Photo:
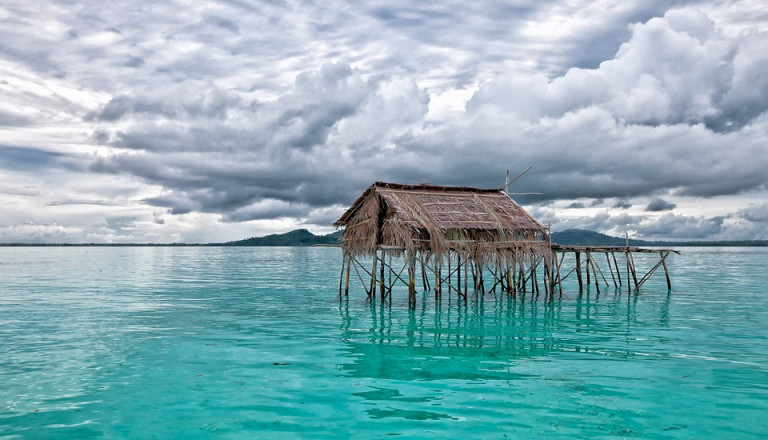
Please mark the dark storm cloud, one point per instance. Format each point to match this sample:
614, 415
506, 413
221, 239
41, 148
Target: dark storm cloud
657, 205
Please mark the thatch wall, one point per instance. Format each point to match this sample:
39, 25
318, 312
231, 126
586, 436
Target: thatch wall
483, 225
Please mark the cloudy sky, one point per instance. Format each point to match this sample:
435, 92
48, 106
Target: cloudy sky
192, 121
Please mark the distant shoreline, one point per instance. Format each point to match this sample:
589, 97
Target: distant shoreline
304, 238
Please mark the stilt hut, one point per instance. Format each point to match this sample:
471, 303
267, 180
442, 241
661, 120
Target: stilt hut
444, 230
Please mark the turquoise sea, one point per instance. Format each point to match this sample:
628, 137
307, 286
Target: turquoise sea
243, 343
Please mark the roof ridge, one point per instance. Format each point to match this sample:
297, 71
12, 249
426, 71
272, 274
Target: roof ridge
432, 187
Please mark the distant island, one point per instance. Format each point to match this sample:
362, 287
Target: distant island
302, 237
583, 237
298, 237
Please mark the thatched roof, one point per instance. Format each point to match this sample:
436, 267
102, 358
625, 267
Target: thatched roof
436, 218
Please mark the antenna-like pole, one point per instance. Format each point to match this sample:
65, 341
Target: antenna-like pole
503, 188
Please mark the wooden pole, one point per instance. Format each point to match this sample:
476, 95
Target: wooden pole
341, 276
666, 272
381, 274
346, 282
458, 273
372, 292
411, 280
608, 259
591, 261
578, 269
634, 271
466, 263
389, 285
616, 265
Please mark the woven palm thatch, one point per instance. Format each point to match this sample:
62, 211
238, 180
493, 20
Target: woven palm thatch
484, 225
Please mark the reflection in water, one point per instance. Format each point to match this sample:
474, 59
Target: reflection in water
484, 338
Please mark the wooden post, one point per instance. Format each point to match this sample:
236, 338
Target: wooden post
465, 277
449, 272
389, 285
666, 272
608, 259
458, 274
634, 271
616, 265
372, 292
341, 277
587, 261
626, 257
514, 276
591, 262
381, 275
346, 282
578, 269
411, 280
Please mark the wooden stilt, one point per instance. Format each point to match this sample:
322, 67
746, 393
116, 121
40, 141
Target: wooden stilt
458, 273
666, 272
616, 265
381, 275
465, 277
372, 291
411, 281
578, 269
591, 262
559, 280
346, 283
634, 271
341, 276
610, 269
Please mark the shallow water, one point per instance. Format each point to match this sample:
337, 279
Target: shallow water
207, 342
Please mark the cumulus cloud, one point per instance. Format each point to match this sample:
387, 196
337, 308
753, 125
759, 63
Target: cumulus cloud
682, 226
299, 151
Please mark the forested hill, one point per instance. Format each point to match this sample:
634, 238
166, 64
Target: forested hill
298, 237
582, 237
574, 237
